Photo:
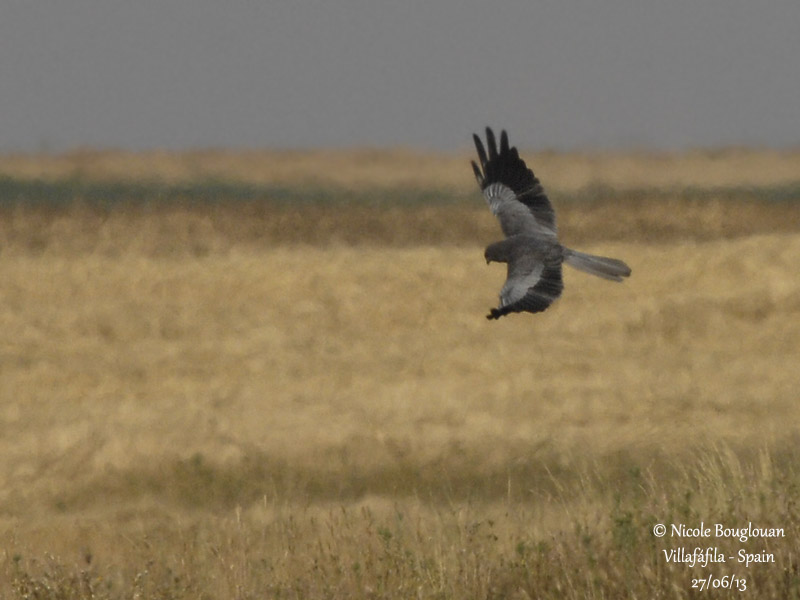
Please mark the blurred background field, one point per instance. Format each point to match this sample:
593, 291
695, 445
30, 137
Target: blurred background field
235, 375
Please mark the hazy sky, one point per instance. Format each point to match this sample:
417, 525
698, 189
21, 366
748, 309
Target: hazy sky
558, 74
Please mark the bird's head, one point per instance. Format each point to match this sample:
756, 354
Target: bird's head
496, 253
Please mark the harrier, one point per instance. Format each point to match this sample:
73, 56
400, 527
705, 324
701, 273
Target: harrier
531, 248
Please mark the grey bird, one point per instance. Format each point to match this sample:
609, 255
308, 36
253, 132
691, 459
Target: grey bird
531, 248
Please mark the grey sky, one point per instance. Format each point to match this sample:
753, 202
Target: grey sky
559, 74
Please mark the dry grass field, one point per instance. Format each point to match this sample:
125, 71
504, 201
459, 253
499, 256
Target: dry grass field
266, 399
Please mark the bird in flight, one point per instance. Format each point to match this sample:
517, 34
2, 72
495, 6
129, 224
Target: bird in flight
531, 248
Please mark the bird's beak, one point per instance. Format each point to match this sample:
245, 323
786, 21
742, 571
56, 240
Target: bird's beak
488, 261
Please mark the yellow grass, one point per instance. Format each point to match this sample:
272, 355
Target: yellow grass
225, 353
734, 167
185, 414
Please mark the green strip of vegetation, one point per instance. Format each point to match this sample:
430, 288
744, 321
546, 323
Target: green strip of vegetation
109, 194
783, 193
61, 193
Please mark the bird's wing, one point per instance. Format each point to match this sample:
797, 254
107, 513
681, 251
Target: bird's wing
512, 191
531, 286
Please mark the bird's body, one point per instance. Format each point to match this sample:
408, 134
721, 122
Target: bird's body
531, 249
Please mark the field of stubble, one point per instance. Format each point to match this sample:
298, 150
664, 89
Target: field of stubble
269, 397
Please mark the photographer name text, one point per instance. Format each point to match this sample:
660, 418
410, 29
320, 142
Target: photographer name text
718, 530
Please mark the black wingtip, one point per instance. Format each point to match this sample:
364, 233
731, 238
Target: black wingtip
481, 150
503, 142
478, 174
494, 314
491, 143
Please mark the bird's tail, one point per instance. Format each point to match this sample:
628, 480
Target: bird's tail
607, 268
